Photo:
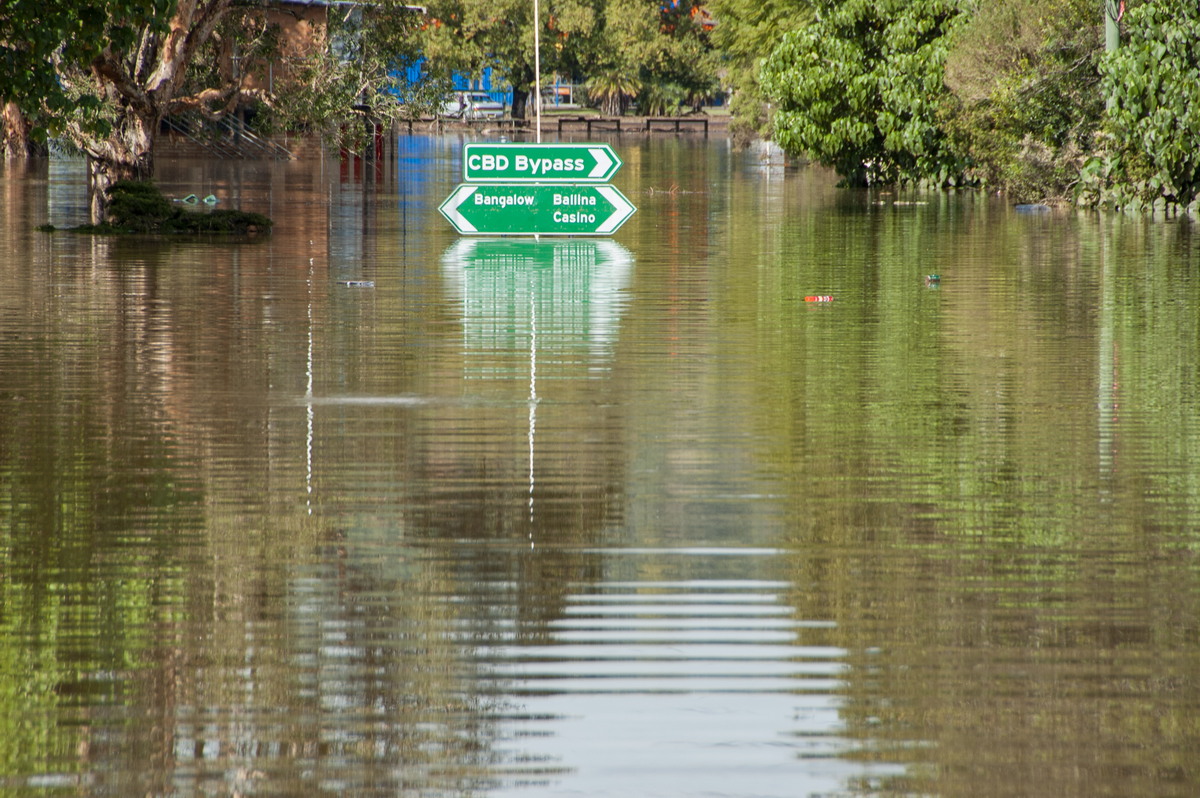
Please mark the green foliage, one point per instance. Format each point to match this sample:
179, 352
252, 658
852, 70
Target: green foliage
681, 68
470, 35
1026, 96
139, 207
39, 40
621, 47
104, 75
612, 89
860, 89
359, 79
1153, 122
747, 32
662, 99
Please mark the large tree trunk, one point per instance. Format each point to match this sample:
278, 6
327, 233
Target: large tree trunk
522, 83
17, 143
520, 102
128, 154
144, 96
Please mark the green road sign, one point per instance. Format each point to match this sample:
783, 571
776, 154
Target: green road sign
539, 163
525, 210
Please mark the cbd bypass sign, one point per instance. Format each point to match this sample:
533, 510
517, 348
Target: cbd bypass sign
537, 189
539, 163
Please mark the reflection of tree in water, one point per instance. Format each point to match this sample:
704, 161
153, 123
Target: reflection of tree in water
325, 674
1003, 571
168, 627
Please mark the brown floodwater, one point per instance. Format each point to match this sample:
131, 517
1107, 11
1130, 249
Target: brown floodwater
364, 508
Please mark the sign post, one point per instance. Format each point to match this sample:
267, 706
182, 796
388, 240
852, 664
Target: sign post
531, 210
539, 163
536, 190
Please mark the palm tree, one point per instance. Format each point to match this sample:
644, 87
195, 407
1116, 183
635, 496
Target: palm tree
613, 89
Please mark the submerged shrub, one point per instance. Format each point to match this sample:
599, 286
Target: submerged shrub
1027, 95
139, 207
1153, 121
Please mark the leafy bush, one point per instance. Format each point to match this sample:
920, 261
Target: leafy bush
661, 99
612, 89
139, 207
1153, 125
860, 90
1027, 100
747, 31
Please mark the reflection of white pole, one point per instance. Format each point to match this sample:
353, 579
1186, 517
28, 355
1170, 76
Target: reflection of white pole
308, 397
537, 78
1106, 370
537, 69
533, 399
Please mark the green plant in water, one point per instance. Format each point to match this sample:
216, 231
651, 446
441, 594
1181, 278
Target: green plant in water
1026, 99
1153, 120
139, 207
860, 89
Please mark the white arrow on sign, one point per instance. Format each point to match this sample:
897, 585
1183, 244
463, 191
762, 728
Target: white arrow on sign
623, 209
602, 162
451, 205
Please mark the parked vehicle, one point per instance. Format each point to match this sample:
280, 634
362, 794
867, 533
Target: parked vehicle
472, 105
559, 98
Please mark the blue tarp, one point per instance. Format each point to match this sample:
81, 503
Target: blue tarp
464, 82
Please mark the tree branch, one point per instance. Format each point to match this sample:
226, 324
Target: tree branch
202, 101
190, 28
108, 69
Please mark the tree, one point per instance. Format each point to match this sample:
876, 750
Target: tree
1153, 87
681, 67
357, 80
861, 87
33, 38
613, 89
621, 46
469, 35
104, 75
106, 79
17, 133
748, 31
1027, 102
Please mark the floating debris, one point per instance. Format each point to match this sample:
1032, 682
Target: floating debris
359, 283
818, 298
192, 199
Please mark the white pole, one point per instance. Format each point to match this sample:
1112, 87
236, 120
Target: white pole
537, 69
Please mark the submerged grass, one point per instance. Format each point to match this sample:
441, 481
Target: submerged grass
139, 207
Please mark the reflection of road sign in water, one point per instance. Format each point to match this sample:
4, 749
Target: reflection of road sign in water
537, 210
560, 301
575, 287
539, 163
